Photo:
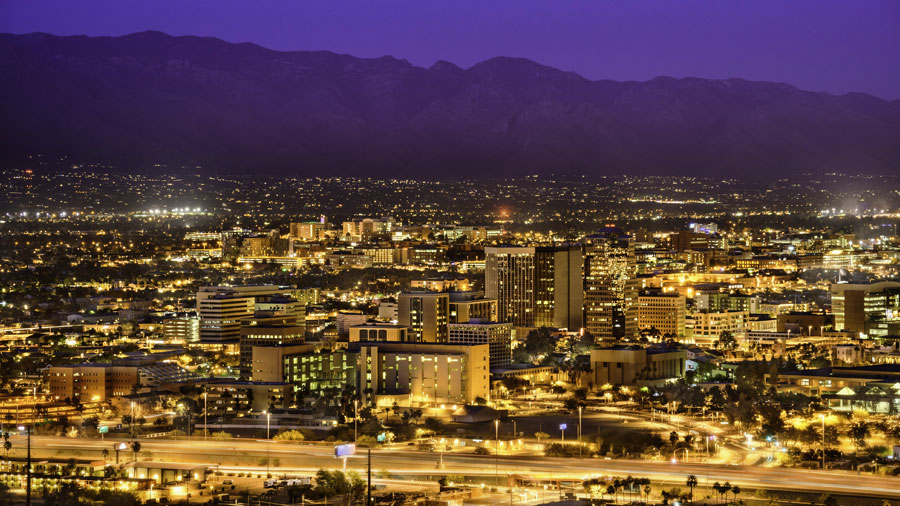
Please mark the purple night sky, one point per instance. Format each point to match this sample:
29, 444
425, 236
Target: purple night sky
835, 46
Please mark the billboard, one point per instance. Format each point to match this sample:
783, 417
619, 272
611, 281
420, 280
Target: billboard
345, 450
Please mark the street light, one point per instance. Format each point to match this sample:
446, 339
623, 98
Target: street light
355, 419
579, 432
268, 420
28, 468
205, 419
823, 440
496, 450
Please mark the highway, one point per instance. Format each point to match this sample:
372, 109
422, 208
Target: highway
405, 461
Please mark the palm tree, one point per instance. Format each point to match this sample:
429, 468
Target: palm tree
735, 490
718, 488
135, 447
105, 453
647, 489
691, 482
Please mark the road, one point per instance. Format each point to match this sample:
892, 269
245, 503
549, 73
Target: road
405, 461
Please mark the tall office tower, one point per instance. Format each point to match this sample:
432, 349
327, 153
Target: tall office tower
856, 306
609, 287
536, 286
222, 309
427, 315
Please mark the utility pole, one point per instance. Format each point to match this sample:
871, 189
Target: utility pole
28, 468
268, 419
579, 432
205, 419
355, 419
497, 451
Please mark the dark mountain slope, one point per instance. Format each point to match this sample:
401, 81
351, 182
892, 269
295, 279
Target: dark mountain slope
148, 98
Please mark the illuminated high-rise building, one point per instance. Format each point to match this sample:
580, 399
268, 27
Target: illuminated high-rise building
609, 285
536, 286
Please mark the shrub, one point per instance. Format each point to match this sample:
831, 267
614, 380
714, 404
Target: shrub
290, 435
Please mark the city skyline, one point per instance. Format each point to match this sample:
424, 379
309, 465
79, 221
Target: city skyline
430, 254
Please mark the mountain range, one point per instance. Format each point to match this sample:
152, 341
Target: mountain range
154, 102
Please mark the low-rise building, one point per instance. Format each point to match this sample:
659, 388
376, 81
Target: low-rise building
628, 365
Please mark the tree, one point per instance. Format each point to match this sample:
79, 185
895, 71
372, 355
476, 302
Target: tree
538, 344
673, 438
6, 498
830, 500
858, 432
434, 424
735, 490
541, 435
726, 341
7, 445
135, 447
691, 482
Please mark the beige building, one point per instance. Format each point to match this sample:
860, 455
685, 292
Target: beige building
855, 304
266, 335
441, 284
268, 361
309, 230
704, 329
222, 309
427, 315
408, 373
664, 312
427, 373
623, 365
379, 332
498, 336
91, 382
185, 329
465, 306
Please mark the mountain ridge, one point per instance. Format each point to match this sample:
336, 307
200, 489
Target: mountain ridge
149, 98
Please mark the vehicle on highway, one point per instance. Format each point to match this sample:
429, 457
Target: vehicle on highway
286, 482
